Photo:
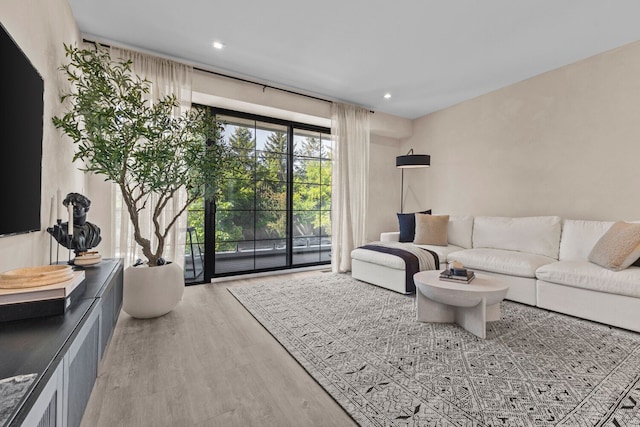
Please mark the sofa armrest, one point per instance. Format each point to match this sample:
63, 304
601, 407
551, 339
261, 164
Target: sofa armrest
391, 236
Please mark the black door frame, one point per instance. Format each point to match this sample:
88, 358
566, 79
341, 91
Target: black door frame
210, 205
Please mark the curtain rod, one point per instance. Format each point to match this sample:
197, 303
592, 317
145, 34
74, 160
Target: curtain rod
264, 86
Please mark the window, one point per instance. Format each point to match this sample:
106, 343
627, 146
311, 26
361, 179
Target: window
311, 197
274, 212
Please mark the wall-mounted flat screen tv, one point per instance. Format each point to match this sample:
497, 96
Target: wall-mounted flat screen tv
21, 96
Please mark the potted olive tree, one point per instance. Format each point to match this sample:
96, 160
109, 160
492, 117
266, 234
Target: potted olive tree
148, 152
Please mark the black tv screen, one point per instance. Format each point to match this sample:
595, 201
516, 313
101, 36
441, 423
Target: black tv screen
21, 141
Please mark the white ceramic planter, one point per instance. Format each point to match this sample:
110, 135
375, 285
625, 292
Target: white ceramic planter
152, 291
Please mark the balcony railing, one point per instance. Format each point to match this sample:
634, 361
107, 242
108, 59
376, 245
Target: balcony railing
269, 254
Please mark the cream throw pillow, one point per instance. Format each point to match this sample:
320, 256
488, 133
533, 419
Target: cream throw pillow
431, 229
618, 248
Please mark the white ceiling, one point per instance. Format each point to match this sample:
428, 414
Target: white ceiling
428, 54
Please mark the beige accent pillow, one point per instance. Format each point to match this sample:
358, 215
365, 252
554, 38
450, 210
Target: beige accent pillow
618, 248
431, 229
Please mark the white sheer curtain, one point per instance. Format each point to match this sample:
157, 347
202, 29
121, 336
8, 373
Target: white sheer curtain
349, 197
166, 77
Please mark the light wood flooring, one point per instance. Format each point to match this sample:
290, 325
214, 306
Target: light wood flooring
207, 363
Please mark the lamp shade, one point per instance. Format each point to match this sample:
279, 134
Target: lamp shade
413, 161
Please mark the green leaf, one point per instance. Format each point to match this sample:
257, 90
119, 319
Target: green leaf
138, 145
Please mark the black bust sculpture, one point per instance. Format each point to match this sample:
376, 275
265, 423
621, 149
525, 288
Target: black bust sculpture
85, 234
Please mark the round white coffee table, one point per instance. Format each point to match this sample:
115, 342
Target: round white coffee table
469, 305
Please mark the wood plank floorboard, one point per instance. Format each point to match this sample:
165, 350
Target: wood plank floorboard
207, 363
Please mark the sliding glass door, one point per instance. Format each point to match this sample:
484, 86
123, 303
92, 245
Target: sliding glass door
311, 214
274, 210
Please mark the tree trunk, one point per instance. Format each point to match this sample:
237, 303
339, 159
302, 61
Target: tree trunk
145, 244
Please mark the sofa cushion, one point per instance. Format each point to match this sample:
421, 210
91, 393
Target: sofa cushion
538, 235
379, 258
586, 275
390, 236
618, 248
579, 238
431, 229
442, 251
407, 225
460, 230
501, 261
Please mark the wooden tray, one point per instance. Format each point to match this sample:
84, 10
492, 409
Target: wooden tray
30, 277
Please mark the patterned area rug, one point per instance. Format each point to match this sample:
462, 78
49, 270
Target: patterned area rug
364, 346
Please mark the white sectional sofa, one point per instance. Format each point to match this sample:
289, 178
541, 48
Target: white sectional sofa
575, 286
513, 248
545, 262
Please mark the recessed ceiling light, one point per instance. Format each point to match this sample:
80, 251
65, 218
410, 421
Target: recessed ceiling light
217, 45
387, 95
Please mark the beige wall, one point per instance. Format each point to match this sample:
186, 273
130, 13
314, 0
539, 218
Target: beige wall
384, 186
40, 27
566, 142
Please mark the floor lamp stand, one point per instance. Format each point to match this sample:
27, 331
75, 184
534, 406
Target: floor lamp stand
410, 160
402, 191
